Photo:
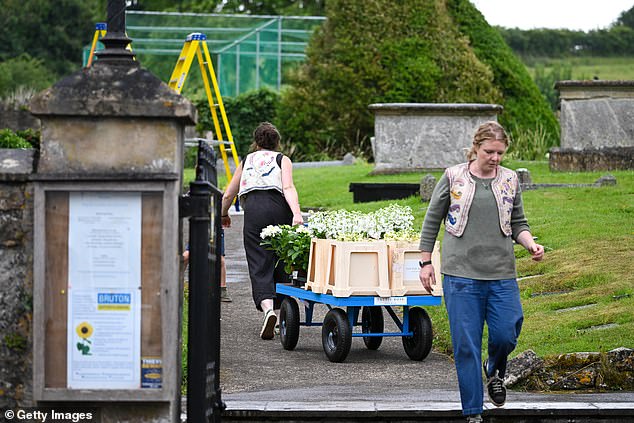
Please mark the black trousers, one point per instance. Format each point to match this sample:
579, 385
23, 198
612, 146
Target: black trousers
261, 209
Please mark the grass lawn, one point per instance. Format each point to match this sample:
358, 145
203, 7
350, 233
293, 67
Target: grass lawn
606, 68
589, 238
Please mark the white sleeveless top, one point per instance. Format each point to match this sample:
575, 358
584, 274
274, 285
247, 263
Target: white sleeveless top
260, 171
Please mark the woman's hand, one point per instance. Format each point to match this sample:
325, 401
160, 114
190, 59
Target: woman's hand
298, 219
525, 239
225, 221
427, 277
536, 250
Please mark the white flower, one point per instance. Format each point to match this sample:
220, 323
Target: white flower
343, 224
270, 231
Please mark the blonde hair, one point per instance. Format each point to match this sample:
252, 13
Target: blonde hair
488, 131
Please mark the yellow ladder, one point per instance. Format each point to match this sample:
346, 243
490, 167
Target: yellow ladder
196, 45
100, 31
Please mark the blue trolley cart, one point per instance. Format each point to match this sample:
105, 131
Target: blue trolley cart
338, 325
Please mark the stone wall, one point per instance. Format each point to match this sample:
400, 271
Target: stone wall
16, 282
17, 119
597, 126
419, 136
591, 159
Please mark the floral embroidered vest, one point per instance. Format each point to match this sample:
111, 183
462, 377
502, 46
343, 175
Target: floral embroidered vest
261, 171
462, 189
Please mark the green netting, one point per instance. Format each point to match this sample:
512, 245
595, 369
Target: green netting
249, 52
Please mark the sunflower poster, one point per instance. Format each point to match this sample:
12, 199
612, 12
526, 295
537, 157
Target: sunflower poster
104, 290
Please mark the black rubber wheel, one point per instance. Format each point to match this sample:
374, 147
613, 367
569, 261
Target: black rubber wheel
336, 335
418, 346
289, 323
372, 322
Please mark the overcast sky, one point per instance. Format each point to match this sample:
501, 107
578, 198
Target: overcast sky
569, 14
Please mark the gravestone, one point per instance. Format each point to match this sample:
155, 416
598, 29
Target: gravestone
597, 126
427, 185
425, 136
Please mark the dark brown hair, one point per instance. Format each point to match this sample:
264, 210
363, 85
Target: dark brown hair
266, 136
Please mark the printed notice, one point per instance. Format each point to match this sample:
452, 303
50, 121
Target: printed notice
104, 281
151, 372
390, 301
411, 269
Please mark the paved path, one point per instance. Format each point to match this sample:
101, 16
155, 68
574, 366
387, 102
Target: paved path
259, 377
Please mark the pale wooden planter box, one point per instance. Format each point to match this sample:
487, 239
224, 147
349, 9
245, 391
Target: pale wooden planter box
317, 264
348, 268
403, 269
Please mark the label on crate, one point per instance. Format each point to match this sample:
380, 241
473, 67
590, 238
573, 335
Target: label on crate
411, 270
389, 301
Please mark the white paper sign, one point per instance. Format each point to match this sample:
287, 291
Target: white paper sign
411, 270
104, 290
390, 301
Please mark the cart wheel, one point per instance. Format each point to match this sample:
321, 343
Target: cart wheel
336, 335
418, 345
372, 322
289, 323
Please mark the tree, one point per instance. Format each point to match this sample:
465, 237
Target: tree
52, 31
626, 18
274, 7
372, 51
23, 72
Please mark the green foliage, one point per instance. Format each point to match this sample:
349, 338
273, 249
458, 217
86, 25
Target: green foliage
291, 245
15, 341
247, 7
31, 136
524, 106
529, 144
615, 41
52, 31
273, 7
545, 80
23, 71
9, 139
626, 18
377, 51
244, 113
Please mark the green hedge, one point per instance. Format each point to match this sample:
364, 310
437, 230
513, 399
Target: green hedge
244, 113
375, 51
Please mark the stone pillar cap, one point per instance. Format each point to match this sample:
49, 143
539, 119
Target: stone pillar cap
113, 91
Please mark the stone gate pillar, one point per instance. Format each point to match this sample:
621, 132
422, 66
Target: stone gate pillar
107, 296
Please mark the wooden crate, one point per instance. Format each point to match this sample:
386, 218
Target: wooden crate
318, 265
357, 268
403, 269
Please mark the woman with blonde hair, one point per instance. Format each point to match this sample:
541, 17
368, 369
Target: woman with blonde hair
480, 203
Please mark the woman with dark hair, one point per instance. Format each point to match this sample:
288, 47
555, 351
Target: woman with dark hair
264, 183
480, 203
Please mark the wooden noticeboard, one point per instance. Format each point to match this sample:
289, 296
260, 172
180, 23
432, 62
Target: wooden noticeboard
55, 301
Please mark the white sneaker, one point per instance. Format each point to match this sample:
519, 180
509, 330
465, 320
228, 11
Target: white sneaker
268, 325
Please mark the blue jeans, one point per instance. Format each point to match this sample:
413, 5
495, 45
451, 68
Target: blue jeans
470, 303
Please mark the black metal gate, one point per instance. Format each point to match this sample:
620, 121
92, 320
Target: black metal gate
203, 207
